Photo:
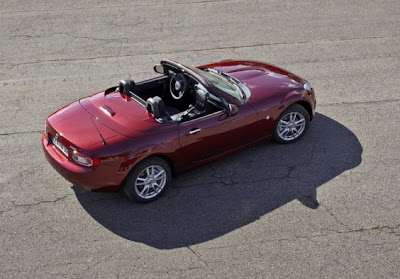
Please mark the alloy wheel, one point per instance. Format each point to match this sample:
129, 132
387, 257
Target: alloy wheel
150, 182
291, 126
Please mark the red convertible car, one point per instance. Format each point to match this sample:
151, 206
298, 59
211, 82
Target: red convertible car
136, 136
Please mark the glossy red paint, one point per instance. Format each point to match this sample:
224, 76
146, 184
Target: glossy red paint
123, 133
272, 89
220, 131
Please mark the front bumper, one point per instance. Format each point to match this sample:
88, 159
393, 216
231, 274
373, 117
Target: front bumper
101, 178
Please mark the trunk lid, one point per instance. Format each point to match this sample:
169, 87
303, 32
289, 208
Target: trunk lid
120, 113
72, 125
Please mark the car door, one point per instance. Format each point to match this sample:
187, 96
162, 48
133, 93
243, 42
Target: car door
213, 134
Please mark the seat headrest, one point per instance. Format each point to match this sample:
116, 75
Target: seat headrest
126, 86
155, 105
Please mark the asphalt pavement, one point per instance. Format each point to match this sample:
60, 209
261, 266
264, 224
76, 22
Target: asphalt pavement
327, 206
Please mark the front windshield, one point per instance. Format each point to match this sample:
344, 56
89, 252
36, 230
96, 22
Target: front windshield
221, 83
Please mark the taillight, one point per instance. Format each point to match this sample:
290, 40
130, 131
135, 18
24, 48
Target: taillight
84, 160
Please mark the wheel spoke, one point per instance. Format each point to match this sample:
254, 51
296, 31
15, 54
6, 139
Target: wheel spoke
300, 122
144, 191
141, 179
150, 171
285, 132
140, 183
159, 175
156, 187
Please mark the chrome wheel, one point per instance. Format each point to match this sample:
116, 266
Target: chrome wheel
291, 126
150, 182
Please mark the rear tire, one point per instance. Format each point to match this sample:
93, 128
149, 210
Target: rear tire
147, 180
292, 124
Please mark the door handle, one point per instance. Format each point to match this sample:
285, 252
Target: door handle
194, 131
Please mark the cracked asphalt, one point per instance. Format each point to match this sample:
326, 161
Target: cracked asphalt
324, 207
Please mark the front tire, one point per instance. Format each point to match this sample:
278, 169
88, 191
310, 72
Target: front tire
147, 180
292, 124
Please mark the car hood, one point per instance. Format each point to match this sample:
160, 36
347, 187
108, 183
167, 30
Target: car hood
120, 113
262, 79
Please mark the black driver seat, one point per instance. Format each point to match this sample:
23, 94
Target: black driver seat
155, 105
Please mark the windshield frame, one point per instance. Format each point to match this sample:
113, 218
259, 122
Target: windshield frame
196, 74
226, 80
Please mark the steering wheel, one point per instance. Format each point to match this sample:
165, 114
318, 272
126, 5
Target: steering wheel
177, 86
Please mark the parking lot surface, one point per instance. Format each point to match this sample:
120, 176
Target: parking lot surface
324, 207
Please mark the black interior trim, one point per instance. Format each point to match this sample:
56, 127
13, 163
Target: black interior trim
111, 89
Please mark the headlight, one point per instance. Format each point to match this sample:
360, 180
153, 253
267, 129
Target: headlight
307, 86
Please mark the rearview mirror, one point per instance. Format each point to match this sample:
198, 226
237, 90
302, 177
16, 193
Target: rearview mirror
232, 109
159, 69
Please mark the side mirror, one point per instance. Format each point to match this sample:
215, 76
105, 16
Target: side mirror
232, 109
159, 69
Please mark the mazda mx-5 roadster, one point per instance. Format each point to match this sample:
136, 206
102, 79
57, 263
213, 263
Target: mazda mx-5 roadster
136, 136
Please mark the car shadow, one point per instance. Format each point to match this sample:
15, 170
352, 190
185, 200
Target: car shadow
220, 197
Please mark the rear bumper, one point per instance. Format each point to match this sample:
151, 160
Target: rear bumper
101, 178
